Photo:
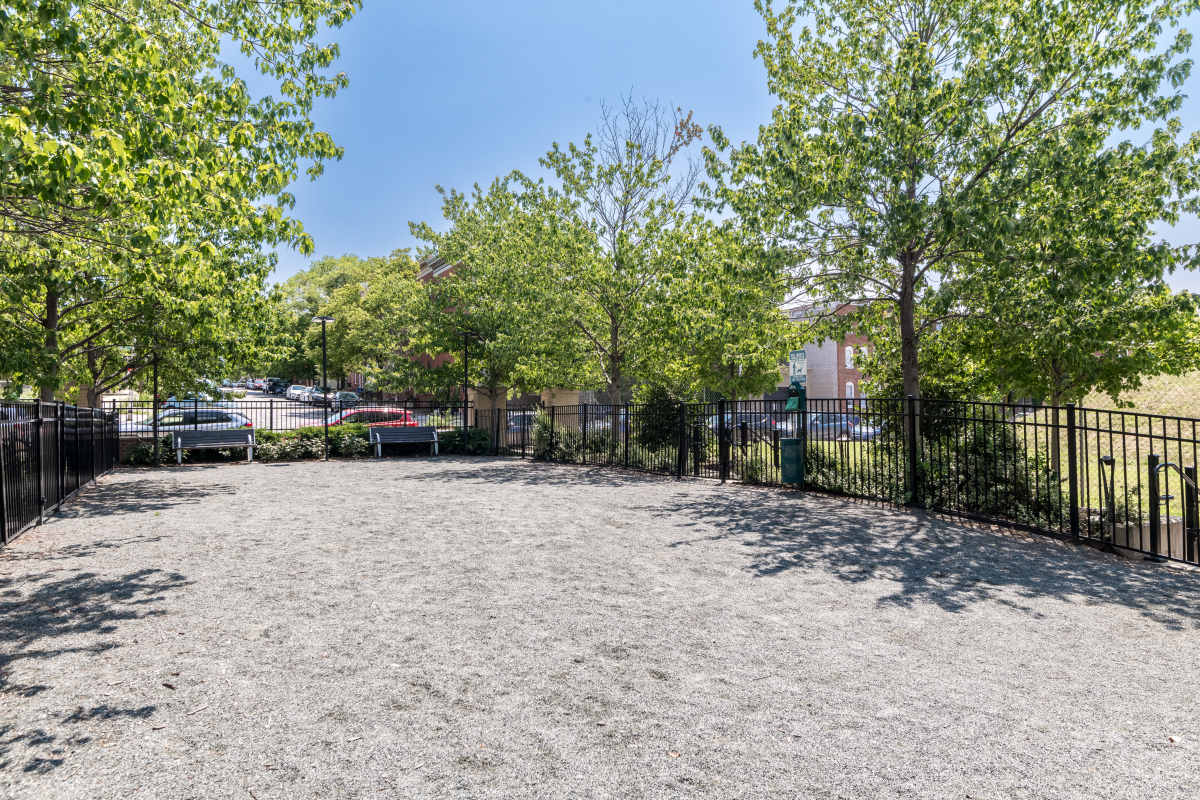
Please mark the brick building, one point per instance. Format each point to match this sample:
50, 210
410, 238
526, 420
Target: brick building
833, 366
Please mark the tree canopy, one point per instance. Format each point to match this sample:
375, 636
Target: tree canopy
917, 145
141, 180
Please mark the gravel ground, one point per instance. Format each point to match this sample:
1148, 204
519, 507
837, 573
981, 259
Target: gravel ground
491, 628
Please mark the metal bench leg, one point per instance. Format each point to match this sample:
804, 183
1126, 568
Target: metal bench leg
179, 456
378, 449
250, 457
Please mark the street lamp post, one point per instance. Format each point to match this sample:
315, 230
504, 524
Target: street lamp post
324, 384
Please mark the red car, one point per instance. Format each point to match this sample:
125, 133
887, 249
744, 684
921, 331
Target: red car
375, 417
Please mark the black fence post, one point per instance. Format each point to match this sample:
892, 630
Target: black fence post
271, 414
775, 447
1191, 515
37, 451
681, 458
625, 433
914, 467
154, 419
1072, 472
526, 421
92, 444
1155, 499
583, 426
550, 450
60, 414
77, 477
3, 487
722, 442
196, 412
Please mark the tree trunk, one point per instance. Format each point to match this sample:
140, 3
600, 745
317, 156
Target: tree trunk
49, 382
909, 368
1055, 445
614, 362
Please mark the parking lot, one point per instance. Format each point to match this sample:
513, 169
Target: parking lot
263, 411
448, 627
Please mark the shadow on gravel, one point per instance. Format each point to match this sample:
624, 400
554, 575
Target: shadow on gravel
533, 473
131, 497
933, 561
72, 551
46, 615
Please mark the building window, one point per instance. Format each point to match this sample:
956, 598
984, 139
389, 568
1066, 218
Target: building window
849, 357
849, 390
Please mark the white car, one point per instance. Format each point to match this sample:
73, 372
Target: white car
296, 392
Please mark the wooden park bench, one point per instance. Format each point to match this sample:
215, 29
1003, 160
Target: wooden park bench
403, 435
214, 440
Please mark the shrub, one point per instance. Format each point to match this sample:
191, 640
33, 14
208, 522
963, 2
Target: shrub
991, 472
142, 453
545, 445
465, 441
658, 419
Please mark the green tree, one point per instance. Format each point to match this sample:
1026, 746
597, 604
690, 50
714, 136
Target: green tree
721, 300
506, 299
1076, 301
139, 175
618, 194
909, 138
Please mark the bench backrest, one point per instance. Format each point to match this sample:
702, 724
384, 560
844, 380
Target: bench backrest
234, 437
403, 434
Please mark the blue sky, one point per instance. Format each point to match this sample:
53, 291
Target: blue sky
456, 92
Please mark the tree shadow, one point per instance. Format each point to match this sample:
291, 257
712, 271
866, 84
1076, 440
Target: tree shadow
508, 470
932, 560
59, 612
134, 497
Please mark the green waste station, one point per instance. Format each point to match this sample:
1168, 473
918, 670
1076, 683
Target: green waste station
791, 450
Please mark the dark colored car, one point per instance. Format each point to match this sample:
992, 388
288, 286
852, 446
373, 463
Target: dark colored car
275, 385
376, 417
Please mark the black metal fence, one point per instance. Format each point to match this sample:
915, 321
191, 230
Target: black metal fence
47, 452
1120, 479
141, 418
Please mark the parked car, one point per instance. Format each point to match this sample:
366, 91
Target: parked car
317, 396
297, 391
274, 386
193, 400
377, 417
840, 426
205, 419
522, 421
344, 400
602, 420
757, 424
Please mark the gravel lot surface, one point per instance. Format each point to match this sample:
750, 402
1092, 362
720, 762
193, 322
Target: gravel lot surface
492, 628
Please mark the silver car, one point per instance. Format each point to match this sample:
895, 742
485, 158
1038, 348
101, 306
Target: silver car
204, 419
